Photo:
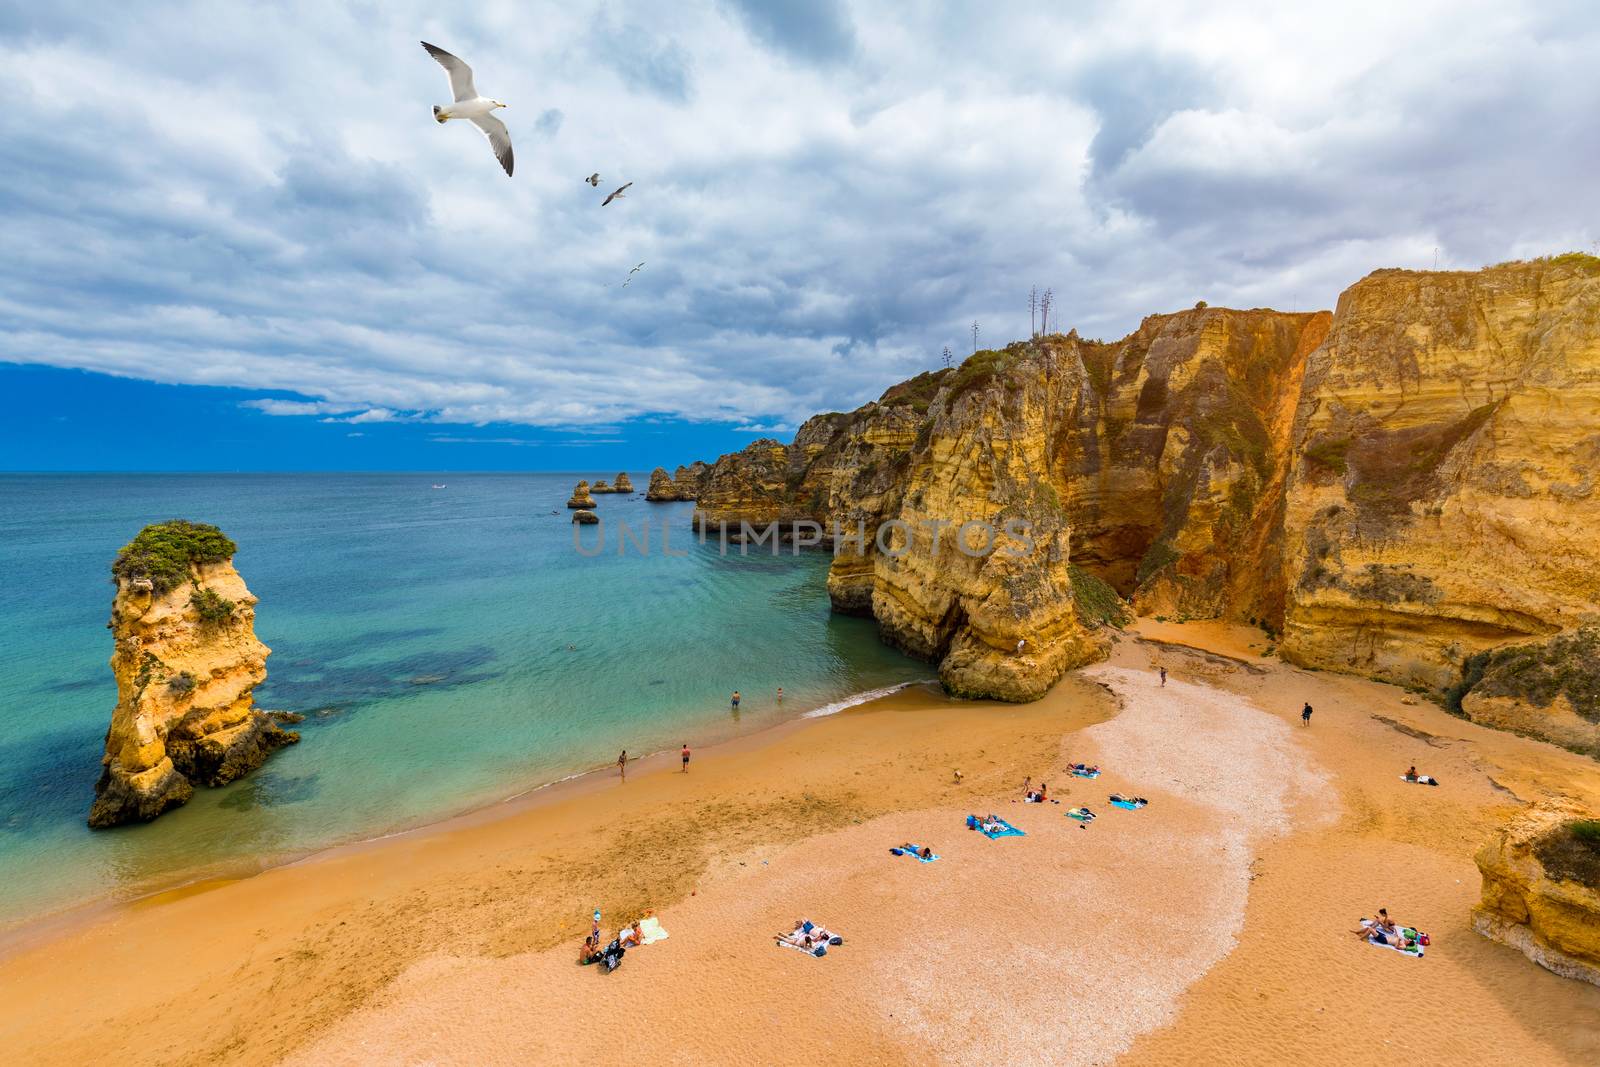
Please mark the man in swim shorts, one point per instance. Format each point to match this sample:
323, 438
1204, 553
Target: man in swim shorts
1305, 715
686, 757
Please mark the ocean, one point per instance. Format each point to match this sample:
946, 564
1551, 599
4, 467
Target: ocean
449, 647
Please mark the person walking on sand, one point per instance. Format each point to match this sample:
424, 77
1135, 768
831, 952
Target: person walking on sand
686, 757
622, 765
1163, 677
1305, 714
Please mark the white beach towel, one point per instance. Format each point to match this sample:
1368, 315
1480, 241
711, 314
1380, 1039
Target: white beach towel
651, 930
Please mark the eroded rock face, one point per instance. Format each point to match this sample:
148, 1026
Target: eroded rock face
601, 487
622, 484
585, 517
1444, 493
1396, 487
186, 661
1541, 891
580, 496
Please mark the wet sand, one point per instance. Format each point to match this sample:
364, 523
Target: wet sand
1209, 927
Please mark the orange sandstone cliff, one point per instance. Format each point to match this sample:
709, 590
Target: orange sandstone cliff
1405, 488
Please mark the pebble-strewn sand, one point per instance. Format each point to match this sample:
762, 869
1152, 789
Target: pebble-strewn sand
1207, 928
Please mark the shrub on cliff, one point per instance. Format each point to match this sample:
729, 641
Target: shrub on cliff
1571, 852
211, 608
165, 552
1097, 603
1566, 665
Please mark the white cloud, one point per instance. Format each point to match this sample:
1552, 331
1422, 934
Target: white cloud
825, 194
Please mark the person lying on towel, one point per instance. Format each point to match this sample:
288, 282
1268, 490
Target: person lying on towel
1382, 931
1119, 798
807, 935
923, 853
1084, 768
1037, 796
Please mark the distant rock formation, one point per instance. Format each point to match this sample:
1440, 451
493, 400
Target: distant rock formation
1406, 488
684, 485
601, 487
585, 517
186, 661
622, 484
1541, 889
581, 497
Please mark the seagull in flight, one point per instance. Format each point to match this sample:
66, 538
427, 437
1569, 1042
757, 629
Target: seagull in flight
636, 269
618, 195
469, 105
593, 179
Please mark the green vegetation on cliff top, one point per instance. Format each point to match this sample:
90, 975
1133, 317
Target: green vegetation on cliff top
1097, 602
165, 552
1571, 852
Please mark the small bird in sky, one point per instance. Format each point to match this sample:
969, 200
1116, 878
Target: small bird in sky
593, 179
469, 105
636, 269
618, 195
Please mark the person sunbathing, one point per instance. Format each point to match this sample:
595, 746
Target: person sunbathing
590, 951
631, 936
1381, 931
1411, 773
1118, 798
992, 824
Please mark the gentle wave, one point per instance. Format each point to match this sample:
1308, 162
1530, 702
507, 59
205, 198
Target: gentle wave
859, 698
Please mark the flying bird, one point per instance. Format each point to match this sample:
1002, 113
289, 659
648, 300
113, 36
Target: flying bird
469, 105
593, 179
636, 269
618, 195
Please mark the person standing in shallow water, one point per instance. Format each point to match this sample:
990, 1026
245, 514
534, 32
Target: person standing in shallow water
622, 765
735, 700
686, 757
780, 694
1305, 715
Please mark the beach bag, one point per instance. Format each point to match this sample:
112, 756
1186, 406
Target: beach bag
820, 950
1424, 939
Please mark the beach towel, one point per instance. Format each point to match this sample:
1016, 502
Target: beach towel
915, 852
1081, 814
651, 930
1126, 805
1421, 779
1415, 936
1006, 829
1085, 774
819, 951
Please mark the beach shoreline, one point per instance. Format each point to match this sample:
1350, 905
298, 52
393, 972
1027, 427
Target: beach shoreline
490, 905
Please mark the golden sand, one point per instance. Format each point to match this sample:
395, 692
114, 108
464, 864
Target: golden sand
1210, 927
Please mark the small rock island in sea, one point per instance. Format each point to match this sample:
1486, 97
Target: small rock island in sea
580, 496
187, 662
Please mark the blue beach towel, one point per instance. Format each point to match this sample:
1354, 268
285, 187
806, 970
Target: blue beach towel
914, 852
1126, 805
1086, 774
1006, 829
1081, 814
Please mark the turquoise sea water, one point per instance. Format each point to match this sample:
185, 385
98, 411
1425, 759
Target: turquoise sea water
423, 632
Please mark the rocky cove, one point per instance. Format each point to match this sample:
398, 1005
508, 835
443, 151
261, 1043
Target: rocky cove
1404, 488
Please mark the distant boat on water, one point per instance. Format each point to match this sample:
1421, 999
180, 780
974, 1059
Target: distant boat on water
439, 487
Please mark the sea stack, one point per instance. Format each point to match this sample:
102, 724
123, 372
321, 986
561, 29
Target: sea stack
585, 517
581, 497
187, 662
601, 487
623, 483
1541, 888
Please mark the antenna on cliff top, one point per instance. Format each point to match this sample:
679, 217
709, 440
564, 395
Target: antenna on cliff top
1435, 257
1033, 306
974, 336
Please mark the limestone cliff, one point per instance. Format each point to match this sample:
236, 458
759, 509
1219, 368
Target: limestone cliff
1443, 500
1541, 889
186, 661
601, 487
622, 484
1399, 487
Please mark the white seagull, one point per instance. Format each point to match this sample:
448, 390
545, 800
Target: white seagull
469, 105
614, 196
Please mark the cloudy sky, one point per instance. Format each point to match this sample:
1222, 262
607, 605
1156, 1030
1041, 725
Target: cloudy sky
255, 200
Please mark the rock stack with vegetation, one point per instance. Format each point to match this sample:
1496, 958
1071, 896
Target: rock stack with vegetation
685, 484
187, 662
1541, 889
580, 496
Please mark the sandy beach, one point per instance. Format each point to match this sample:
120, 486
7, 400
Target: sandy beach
1212, 926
